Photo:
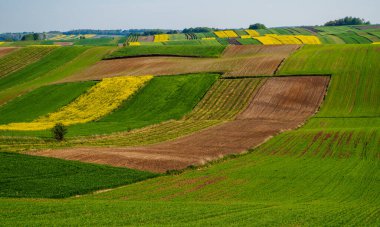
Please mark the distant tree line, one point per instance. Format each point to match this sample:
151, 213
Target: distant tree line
348, 21
34, 36
197, 30
257, 26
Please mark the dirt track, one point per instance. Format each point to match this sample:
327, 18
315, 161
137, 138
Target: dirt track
6, 50
236, 61
282, 103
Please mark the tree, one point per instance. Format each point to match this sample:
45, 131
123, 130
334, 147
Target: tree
347, 21
257, 26
197, 30
59, 131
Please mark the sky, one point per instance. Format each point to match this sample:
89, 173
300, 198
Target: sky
49, 15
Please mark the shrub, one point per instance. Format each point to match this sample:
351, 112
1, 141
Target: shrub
59, 131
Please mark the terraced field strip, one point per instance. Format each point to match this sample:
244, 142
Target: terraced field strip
41, 101
6, 50
22, 58
25, 176
279, 104
63, 62
354, 86
235, 61
181, 51
100, 100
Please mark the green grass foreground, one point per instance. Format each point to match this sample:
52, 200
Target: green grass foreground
40, 177
172, 50
256, 189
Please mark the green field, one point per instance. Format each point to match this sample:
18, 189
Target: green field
354, 88
21, 58
61, 63
187, 51
163, 98
41, 101
39, 177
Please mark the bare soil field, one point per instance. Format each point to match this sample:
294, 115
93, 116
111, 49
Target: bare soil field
281, 103
236, 61
149, 38
6, 50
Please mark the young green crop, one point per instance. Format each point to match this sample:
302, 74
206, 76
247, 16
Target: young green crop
39, 177
186, 51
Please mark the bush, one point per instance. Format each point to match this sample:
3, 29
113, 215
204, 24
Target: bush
257, 26
59, 131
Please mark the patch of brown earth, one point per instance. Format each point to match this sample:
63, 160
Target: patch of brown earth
281, 103
247, 60
6, 50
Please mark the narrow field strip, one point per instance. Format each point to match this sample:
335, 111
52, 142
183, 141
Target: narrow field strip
22, 57
100, 100
6, 50
236, 61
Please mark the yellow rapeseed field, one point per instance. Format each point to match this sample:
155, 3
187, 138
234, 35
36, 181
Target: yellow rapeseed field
268, 40
286, 39
231, 34
134, 44
221, 34
252, 33
226, 34
89, 36
210, 38
245, 36
376, 43
308, 39
100, 100
273, 39
161, 38
1, 43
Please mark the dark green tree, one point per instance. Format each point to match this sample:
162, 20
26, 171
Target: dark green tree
257, 26
59, 131
348, 21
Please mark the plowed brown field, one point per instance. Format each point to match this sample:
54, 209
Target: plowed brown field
6, 50
236, 61
281, 103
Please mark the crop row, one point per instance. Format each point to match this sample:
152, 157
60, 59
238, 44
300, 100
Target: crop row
224, 100
23, 57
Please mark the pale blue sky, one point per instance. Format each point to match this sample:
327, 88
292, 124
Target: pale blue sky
46, 15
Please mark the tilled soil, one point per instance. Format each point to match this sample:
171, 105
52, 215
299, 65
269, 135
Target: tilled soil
6, 50
250, 60
281, 103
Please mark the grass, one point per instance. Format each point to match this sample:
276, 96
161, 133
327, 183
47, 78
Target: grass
255, 189
57, 58
354, 87
21, 58
40, 177
186, 51
41, 101
65, 62
163, 98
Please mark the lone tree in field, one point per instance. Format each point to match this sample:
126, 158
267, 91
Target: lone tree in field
257, 26
348, 21
59, 131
